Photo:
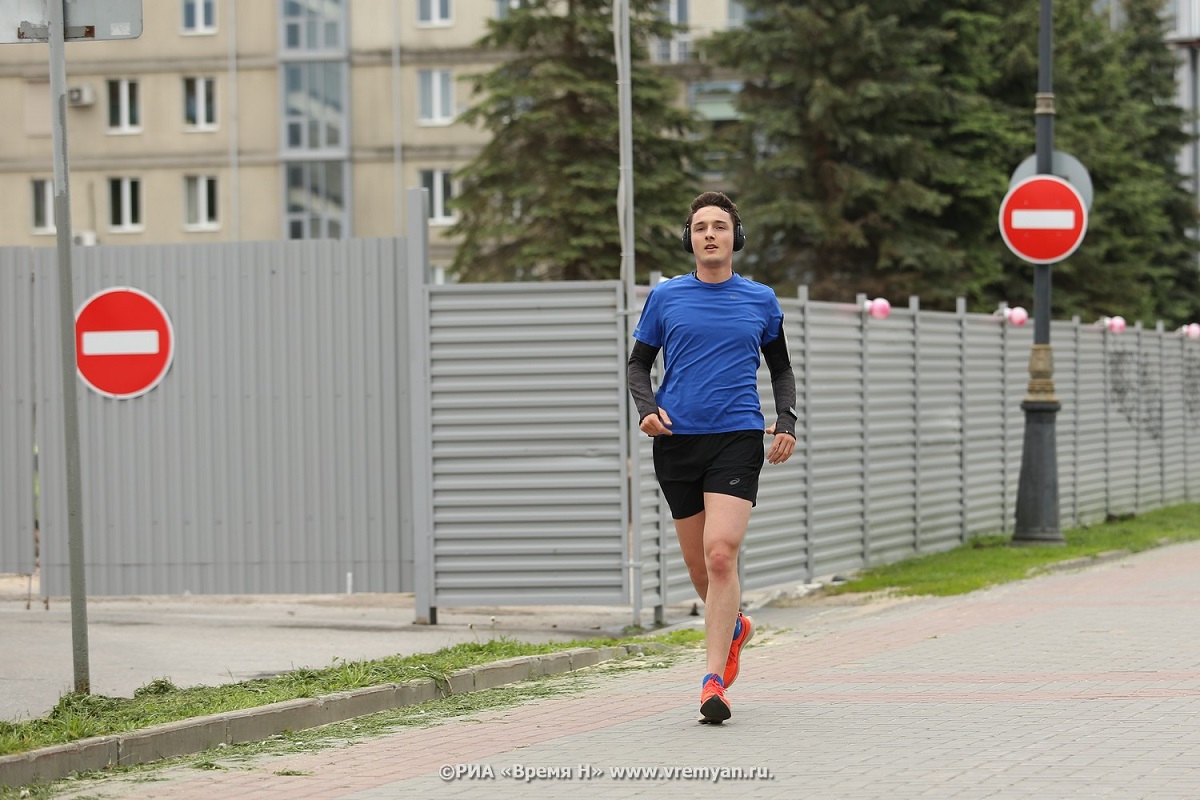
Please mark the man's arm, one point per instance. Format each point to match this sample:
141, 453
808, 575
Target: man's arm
641, 360
783, 384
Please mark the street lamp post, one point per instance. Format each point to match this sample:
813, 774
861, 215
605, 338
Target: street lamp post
1037, 491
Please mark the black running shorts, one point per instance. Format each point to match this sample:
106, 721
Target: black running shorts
687, 466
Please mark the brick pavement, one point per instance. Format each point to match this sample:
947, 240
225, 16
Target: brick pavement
1080, 684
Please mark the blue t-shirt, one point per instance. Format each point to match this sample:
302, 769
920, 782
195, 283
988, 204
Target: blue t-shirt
710, 335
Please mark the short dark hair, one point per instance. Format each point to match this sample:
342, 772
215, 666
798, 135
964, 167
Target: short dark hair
718, 199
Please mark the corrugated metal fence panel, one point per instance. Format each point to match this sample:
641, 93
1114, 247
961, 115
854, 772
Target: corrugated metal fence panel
837, 409
17, 488
1018, 343
656, 530
892, 429
941, 479
777, 540
267, 460
1121, 370
986, 435
1151, 441
664, 577
1174, 475
1062, 339
1091, 402
1191, 420
528, 443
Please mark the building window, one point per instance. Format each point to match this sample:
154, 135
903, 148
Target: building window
200, 202
505, 7
436, 91
125, 204
314, 111
316, 205
43, 205
737, 14
678, 48
441, 190
124, 110
200, 103
314, 27
199, 16
433, 12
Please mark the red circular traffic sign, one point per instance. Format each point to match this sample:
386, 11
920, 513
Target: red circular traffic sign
124, 342
1043, 219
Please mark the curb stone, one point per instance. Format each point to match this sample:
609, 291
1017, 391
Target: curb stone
185, 737
1081, 562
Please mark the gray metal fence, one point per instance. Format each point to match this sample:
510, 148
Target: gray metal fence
267, 460
911, 433
17, 454
526, 468
333, 422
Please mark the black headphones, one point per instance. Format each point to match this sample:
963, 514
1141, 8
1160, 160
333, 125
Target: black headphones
739, 238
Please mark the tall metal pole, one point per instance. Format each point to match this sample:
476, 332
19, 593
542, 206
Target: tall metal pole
1037, 491
622, 46
625, 121
66, 317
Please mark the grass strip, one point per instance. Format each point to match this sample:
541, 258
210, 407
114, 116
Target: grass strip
79, 716
991, 560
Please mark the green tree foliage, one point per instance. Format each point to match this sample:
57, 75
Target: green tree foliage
836, 158
990, 53
1118, 114
540, 199
879, 136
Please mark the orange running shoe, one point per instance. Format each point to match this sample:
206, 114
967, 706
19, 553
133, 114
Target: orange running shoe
733, 663
714, 707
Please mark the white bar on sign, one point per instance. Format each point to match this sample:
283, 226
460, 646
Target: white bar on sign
120, 343
1044, 219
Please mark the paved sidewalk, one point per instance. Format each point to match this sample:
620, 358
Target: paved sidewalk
209, 640
1076, 684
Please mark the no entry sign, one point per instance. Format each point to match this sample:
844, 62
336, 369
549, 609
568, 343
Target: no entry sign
123, 342
1043, 219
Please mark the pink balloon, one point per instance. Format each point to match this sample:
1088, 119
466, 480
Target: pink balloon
1116, 324
1192, 330
879, 308
1018, 316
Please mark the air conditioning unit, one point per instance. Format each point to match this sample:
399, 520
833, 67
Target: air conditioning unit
84, 238
80, 95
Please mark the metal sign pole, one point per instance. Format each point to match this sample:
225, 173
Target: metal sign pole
1037, 517
66, 318
625, 216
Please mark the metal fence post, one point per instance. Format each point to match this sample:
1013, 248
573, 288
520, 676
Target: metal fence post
1139, 421
1106, 334
1004, 488
960, 308
864, 395
1075, 434
914, 306
1162, 415
806, 386
424, 574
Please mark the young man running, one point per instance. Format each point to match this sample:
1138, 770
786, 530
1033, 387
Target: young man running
707, 420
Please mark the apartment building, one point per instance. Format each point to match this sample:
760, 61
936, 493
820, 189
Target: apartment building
247, 120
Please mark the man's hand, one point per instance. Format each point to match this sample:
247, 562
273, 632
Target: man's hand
656, 424
782, 448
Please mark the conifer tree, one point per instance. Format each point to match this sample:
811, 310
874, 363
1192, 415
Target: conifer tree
836, 162
1117, 113
878, 139
540, 199
990, 53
